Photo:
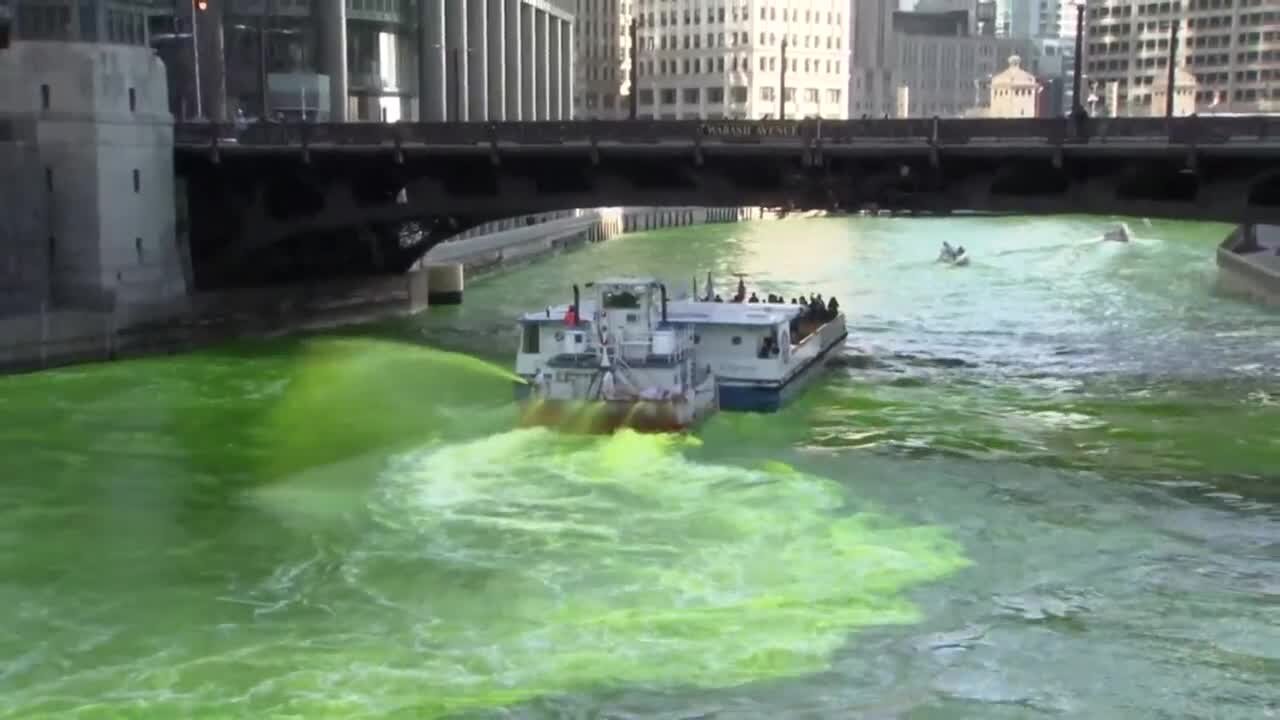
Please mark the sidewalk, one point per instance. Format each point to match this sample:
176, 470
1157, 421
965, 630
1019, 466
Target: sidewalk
513, 244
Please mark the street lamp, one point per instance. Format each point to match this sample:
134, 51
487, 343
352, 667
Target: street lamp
633, 99
782, 80
1078, 112
197, 7
1173, 61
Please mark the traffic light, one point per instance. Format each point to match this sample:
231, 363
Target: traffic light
202, 5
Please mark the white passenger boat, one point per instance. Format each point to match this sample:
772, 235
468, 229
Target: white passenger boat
627, 356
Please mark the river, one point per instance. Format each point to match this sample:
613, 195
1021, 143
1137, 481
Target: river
1045, 485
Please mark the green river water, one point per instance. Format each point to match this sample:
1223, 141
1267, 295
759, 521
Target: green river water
1046, 485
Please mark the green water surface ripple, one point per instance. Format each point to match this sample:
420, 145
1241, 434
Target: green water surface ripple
1042, 485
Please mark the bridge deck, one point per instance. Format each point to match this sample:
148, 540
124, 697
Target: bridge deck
1245, 134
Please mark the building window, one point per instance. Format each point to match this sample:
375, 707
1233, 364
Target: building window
133, 100
137, 181
44, 96
48, 179
137, 244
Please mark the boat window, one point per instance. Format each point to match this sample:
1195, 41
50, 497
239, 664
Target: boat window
737, 340
621, 299
632, 317
697, 339
531, 335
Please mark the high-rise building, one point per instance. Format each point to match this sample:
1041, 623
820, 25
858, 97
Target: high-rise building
872, 88
742, 58
1028, 18
1231, 48
373, 60
922, 64
603, 48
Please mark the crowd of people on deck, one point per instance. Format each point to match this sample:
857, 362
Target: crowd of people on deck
813, 308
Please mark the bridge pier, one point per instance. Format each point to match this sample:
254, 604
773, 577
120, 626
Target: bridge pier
96, 118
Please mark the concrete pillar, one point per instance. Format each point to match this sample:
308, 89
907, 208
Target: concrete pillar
553, 67
542, 86
514, 57
455, 40
528, 63
432, 81
566, 69
335, 56
497, 59
444, 284
478, 60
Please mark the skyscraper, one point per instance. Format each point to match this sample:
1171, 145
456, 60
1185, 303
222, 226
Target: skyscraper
1231, 48
603, 48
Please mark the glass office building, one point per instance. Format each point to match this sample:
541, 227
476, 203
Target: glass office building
386, 60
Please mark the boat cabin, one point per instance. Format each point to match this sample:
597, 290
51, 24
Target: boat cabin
626, 315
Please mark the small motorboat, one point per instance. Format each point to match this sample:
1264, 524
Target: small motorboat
955, 257
1116, 234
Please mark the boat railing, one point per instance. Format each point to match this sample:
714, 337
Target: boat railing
814, 330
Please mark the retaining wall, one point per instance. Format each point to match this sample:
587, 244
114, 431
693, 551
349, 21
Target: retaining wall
1249, 264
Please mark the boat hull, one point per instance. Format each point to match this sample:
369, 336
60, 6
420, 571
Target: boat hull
769, 397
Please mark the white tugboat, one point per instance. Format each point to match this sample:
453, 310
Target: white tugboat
614, 361
628, 357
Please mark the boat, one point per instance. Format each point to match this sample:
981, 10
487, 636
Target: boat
955, 257
1116, 234
629, 356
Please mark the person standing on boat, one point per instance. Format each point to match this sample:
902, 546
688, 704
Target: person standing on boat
571, 316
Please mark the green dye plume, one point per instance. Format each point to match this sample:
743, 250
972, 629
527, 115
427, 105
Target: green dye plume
350, 397
529, 564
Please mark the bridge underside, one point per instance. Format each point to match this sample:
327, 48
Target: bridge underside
259, 217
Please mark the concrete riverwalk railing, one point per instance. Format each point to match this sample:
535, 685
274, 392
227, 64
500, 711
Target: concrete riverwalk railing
506, 249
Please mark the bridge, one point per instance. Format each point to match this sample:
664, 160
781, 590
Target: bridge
277, 191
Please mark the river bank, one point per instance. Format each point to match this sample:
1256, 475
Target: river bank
53, 337
1249, 264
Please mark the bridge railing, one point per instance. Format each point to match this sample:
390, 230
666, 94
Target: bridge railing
1183, 130
870, 130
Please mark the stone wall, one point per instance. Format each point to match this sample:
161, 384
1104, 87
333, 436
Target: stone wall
24, 251
1249, 264
51, 337
104, 139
